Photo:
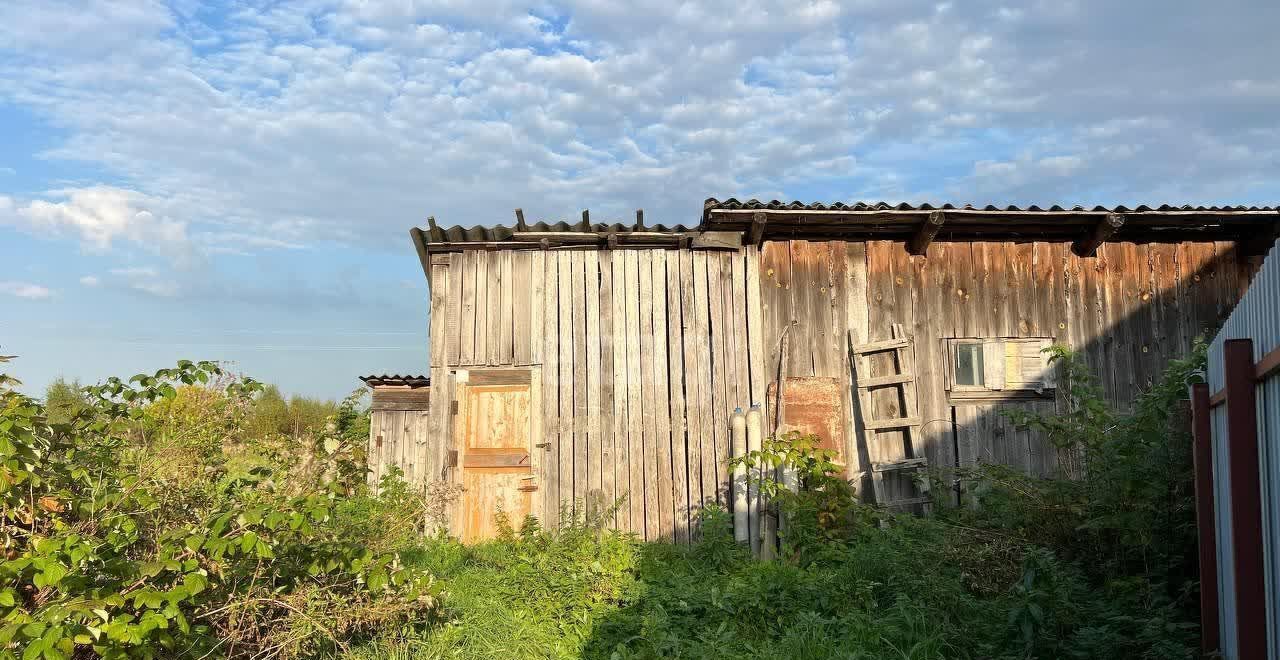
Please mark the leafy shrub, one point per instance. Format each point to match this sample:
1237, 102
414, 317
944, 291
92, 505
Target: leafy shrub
98, 558
1116, 530
821, 507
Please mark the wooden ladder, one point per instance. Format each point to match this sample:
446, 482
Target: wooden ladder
904, 378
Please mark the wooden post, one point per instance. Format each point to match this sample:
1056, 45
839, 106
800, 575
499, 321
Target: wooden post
755, 436
1088, 247
741, 527
1246, 499
769, 535
919, 242
1208, 541
758, 221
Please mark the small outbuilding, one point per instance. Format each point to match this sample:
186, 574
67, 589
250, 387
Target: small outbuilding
398, 416
573, 364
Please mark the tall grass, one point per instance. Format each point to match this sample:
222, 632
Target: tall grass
1088, 565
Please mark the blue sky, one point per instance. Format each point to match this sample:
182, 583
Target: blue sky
235, 180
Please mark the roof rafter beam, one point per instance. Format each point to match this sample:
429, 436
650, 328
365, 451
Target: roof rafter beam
1261, 242
920, 241
1088, 247
758, 222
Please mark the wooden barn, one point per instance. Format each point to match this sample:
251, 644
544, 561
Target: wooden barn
573, 364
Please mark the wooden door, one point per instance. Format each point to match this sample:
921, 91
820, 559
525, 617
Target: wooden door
494, 453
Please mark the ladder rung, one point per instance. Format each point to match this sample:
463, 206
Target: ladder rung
878, 346
879, 381
900, 423
911, 500
909, 464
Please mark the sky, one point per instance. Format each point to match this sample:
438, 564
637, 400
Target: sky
236, 180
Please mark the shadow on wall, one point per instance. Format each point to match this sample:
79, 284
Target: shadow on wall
1127, 312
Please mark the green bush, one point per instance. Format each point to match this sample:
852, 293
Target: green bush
1113, 538
101, 558
1091, 564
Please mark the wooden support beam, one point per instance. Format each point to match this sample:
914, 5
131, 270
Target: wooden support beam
1260, 243
612, 240
758, 221
1207, 539
1267, 366
586, 220
713, 240
1264, 369
1246, 499
1088, 247
639, 219
924, 235
520, 224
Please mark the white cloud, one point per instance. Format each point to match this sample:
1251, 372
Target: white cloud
25, 290
90, 281
146, 279
1061, 165
279, 125
100, 215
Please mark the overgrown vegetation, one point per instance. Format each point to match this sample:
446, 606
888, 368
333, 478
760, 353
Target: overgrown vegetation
1099, 565
143, 523
167, 523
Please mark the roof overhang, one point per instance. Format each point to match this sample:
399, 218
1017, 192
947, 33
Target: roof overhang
728, 224
777, 220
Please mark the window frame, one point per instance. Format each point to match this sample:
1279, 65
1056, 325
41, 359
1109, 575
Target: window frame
1009, 390
953, 352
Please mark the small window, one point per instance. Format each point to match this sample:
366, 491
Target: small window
999, 368
969, 365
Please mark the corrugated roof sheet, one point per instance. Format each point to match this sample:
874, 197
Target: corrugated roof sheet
776, 205
871, 220
396, 379
499, 233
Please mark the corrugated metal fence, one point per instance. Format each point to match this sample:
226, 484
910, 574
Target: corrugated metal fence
1256, 318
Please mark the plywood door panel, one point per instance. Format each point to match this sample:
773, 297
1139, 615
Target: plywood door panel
494, 454
487, 491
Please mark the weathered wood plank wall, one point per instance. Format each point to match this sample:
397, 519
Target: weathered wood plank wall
1129, 310
640, 356
643, 355
399, 427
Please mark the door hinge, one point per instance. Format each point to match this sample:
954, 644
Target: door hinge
453, 407
543, 445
